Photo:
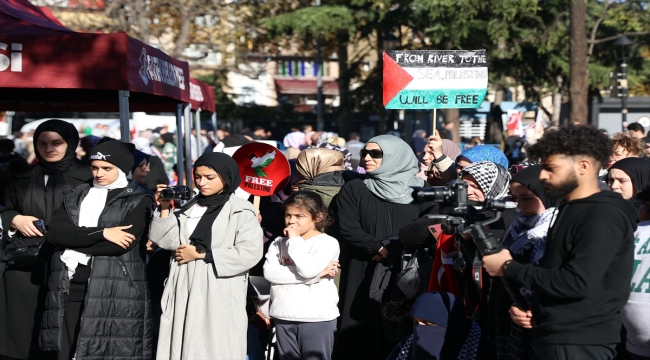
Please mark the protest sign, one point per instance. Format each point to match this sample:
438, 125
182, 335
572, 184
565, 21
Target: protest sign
263, 168
434, 79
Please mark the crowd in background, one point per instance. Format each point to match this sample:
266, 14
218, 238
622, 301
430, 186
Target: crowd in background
341, 263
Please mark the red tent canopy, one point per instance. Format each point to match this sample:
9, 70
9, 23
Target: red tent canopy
202, 96
45, 66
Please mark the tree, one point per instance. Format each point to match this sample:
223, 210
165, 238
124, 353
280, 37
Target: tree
579, 76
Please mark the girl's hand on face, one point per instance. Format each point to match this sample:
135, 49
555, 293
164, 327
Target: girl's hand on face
292, 230
330, 270
186, 253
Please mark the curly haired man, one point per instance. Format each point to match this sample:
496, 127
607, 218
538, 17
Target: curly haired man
583, 280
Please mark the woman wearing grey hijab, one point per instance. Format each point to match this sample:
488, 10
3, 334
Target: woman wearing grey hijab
368, 211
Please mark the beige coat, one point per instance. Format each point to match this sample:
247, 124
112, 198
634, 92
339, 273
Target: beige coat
204, 315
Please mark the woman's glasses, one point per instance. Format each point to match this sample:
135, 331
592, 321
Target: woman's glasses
375, 154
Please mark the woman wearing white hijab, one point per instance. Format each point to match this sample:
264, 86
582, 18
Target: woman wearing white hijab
368, 211
98, 304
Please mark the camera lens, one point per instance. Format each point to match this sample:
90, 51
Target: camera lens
167, 194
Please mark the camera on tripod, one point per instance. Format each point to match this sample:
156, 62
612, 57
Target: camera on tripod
176, 193
459, 215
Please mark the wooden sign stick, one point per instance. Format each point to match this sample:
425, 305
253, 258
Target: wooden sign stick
256, 202
434, 122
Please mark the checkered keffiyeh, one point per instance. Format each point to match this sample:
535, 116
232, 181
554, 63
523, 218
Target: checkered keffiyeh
492, 178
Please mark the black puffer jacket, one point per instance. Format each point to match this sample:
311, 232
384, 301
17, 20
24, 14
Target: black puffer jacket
116, 320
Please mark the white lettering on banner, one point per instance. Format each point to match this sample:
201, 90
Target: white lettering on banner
256, 183
156, 69
195, 93
16, 60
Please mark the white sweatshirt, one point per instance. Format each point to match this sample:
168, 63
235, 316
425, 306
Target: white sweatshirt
297, 293
636, 314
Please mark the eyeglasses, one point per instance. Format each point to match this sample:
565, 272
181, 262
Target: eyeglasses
375, 154
144, 166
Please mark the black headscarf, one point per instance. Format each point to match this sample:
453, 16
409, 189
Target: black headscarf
454, 330
43, 199
227, 169
529, 178
235, 140
637, 169
168, 138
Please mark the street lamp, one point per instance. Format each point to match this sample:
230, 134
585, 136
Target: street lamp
622, 42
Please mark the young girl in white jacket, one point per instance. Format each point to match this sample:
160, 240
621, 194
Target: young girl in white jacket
301, 267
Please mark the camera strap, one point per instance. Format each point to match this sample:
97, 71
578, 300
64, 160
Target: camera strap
477, 271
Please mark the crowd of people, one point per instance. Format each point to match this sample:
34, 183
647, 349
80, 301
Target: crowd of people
348, 261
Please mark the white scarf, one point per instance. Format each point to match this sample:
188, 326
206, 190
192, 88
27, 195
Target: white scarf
90, 210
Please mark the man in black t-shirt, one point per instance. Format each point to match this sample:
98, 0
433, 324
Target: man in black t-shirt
583, 280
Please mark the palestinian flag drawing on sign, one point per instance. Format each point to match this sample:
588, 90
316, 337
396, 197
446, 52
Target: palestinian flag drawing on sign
427, 79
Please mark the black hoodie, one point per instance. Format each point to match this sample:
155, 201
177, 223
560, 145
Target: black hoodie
583, 281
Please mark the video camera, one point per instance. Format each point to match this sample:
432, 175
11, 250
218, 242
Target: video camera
176, 193
459, 215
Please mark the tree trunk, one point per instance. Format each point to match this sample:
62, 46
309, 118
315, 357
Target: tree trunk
557, 101
187, 15
579, 77
142, 20
345, 104
452, 122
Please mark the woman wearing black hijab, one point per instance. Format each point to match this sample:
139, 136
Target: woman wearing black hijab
98, 301
216, 239
628, 177
525, 238
32, 195
442, 331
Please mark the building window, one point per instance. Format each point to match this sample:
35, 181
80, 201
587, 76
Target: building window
247, 94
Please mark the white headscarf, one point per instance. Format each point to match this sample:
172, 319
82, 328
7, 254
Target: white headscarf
143, 145
90, 210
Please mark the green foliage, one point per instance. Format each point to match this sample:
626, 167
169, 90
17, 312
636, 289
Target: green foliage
311, 21
528, 41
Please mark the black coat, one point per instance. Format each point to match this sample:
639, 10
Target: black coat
117, 316
22, 291
364, 221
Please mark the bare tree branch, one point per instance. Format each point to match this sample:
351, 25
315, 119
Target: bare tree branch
610, 38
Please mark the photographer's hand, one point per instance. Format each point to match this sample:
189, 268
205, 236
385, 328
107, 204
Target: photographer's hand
186, 253
493, 264
165, 205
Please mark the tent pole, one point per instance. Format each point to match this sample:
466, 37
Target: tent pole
188, 147
197, 125
125, 130
214, 126
179, 143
